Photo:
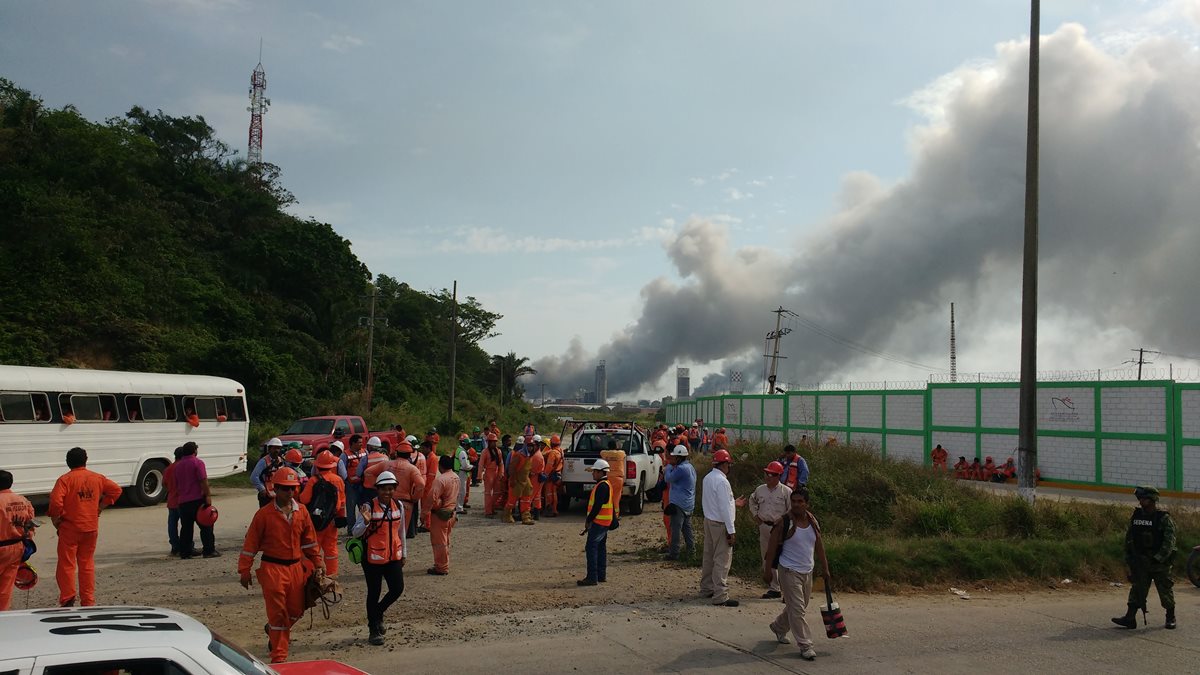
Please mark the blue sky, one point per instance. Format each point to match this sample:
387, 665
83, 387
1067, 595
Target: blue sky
544, 153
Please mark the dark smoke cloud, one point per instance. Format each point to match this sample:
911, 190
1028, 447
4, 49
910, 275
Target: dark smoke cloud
1120, 167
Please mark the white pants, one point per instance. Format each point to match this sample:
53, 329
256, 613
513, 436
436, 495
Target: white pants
464, 480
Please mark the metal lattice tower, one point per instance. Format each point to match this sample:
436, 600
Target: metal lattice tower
258, 107
953, 348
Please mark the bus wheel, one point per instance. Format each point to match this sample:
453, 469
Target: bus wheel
149, 489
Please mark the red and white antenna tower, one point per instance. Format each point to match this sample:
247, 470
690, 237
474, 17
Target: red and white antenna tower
258, 107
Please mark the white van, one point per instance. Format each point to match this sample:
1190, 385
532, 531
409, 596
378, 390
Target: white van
129, 423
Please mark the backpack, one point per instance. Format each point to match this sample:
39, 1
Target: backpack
323, 505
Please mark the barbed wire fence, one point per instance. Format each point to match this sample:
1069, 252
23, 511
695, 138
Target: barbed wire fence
1168, 372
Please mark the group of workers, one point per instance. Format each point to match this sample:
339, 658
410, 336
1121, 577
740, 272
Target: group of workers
987, 471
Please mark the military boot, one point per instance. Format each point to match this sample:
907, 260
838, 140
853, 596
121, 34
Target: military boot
1171, 619
507, 518
526, 519
1129, 620
374, 637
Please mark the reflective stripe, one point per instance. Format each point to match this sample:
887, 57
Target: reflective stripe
279, 627
248, 554
605, 516
303, 546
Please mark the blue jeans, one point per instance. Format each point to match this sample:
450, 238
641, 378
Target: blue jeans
353, 499
681, 524
597, 552
173, 529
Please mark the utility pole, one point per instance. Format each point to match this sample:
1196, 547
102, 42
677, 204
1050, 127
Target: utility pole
543, 394
1027, 417
774, 355
1141, 359
453, 348
369, 322
953, 349
501, 388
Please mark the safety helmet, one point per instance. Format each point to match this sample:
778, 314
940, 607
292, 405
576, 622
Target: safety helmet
695, 424
293, 456
338, 445
721, 456
326, 460
679, 451
491, 437
27, 577
207, 515
537, 438
411, 439
660, 443
274, 443
386, 478
476, 430
285, 476
988, 458
555, 439
463, 437
1146, 491
404, 447
374, 442
774, 468
600, 465
354, 549
432, 430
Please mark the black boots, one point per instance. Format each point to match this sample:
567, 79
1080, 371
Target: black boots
376, 636
1129, 620
1171, 619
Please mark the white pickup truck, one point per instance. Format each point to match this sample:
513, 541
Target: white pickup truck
583, 442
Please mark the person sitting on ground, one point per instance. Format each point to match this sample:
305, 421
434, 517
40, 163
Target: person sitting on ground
976, 470
962, 469
989, 469
1005, 473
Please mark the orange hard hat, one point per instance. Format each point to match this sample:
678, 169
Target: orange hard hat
660, 443
286, 476
206, 516
554, 439
723, 456
491, 437
326, 460
293, 456
988, 458
463, 437
773, 468
404, 446
27, 577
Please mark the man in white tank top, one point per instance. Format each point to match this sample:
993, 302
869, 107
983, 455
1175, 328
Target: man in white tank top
797, 545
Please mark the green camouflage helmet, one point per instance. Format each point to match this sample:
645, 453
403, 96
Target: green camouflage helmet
1146, 491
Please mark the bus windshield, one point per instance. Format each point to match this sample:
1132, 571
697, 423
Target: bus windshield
304, 427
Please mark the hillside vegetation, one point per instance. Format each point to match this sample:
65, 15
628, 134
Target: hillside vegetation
142, 243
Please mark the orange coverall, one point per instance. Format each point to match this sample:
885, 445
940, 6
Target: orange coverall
75, 504
493, 479
15, 511
431, 472
284, 540
939, 458
720, 440
962, 469
554, 467
327, 539
537, 465
442, 496
410, 486
520, 489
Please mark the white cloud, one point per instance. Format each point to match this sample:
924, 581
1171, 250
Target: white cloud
698, 182
734, 194
342, 43
494, 240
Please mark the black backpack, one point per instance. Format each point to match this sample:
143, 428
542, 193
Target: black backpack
322, 508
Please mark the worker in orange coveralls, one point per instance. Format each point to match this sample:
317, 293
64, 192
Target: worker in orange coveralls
429, 449
76, 501
493, 475
520, 488
443, 497
720, 440
989, 469
327, 540
16, 525
283, 532
410, 482
553, 471
939, 457
962, 469
537, 468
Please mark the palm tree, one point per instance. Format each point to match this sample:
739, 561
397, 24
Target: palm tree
510, 368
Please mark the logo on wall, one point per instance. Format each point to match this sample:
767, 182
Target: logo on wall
1062, 410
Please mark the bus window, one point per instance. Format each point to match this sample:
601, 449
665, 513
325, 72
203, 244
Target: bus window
92, 407
237, 411
108, 408
150, 408
24, 408
205, 408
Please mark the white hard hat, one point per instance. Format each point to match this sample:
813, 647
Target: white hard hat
374, 442
679, 451
386, 478
412, 440
274, 443
695, 424
537, 438
338, 445
600, 465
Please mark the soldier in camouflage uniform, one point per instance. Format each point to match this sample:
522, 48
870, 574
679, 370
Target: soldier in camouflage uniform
1149, 552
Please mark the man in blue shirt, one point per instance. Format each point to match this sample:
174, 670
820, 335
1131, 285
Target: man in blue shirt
265, 467
795, 469
681, 502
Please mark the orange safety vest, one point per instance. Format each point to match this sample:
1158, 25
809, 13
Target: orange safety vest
352, 461
605, 516
376, 464
384, 537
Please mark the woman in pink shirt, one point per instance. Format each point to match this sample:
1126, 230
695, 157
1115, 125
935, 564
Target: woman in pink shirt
172, 504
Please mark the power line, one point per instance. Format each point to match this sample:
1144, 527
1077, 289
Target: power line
856, 346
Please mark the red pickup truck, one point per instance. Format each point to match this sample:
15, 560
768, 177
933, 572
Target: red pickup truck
316, 433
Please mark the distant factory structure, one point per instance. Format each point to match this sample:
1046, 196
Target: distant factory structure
601, 391
683, 383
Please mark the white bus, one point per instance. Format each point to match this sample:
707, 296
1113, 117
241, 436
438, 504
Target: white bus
129, 423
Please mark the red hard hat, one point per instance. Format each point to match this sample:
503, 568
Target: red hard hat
463, 437
27, 577
723, 456
774, 467
491, 437
660, 443
555, 439
325, 460
293, 456
987, 459
286, 476
207, 515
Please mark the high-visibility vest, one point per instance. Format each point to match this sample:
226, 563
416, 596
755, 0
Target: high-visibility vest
376, 463
352, 461
605, 516
384, 538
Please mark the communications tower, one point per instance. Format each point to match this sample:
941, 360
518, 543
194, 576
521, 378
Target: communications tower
258, 107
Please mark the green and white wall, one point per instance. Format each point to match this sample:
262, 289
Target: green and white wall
1115, 434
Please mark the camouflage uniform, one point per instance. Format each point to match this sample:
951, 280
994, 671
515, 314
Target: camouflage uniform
1149, 552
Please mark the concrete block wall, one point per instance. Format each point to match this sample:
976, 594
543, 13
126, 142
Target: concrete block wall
1066, 458
773, 436
752, 412
833, 411
954, 407
773, 412
903, 447
906, 411
1191, 468
864, 438
1133, 410
839, 435
732, 410
866, 410
1134, 462
954, 443
999, 446
1190, 412
999, 408
1066, 408
802, 409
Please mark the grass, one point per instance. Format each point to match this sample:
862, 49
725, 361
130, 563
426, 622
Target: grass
891, 525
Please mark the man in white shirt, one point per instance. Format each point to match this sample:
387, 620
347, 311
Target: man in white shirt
768, 504
797, 544
717, 502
